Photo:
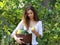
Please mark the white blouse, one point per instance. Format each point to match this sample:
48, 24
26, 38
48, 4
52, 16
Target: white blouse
38, 28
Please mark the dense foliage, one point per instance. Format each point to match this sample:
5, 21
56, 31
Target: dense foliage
11, 12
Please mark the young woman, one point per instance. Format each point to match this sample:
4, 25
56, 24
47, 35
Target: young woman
30, 19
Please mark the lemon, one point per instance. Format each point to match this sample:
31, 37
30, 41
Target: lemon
33, 28
19, 32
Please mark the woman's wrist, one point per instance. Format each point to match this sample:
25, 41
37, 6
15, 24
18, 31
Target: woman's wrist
36, 33
15, 37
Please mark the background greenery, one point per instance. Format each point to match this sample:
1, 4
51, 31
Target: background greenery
11, 12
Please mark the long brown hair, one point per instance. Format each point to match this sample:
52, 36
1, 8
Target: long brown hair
26, 19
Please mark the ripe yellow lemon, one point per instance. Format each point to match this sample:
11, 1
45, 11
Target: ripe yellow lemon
33, 28
19, 32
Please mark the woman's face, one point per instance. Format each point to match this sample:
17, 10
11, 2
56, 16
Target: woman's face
30, 14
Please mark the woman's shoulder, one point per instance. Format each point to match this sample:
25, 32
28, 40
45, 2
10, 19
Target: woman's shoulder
39, 21
22, 22
39, 24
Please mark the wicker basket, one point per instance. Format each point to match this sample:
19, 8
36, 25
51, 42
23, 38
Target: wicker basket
26, 38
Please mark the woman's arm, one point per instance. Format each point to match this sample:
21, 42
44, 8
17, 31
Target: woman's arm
19, 26
36, 33
39, 33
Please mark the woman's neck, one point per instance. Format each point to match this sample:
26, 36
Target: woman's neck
31, 20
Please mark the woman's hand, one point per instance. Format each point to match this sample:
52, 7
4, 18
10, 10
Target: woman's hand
33, 29
19, 40
35, 32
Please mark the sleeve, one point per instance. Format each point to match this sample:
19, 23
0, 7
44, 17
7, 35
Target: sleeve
19, 26
40, 28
